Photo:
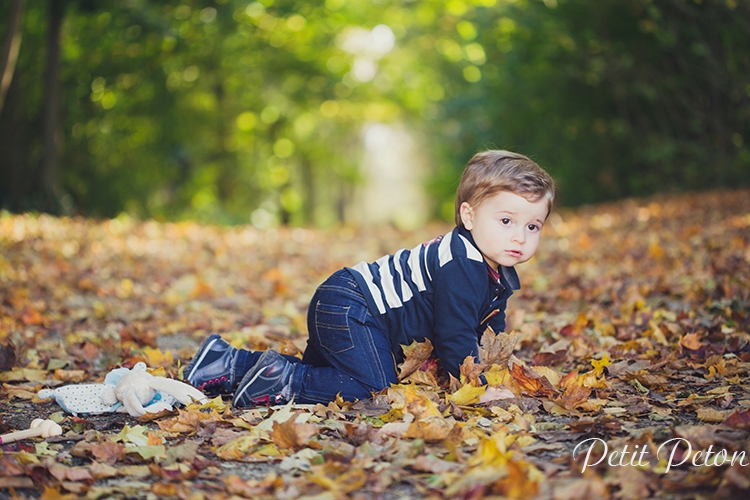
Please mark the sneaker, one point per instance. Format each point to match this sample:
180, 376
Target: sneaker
264, 382
212, 368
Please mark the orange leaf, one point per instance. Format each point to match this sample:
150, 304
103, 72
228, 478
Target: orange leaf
690, 341
291, 435
531, 382
573, 396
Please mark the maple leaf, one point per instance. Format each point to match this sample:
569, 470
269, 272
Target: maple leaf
532, 383
291, 435
415, 355
188, 421
134, 435
573, 396
470, 371
496, 349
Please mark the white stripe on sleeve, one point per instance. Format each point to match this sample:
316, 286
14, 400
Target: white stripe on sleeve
444, 250
406, 294
386, 281
416, 268
363, 269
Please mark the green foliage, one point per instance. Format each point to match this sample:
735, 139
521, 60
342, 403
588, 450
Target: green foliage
236, 111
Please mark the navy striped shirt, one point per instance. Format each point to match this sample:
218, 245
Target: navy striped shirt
442, 290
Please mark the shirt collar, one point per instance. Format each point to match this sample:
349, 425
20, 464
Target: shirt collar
507, 275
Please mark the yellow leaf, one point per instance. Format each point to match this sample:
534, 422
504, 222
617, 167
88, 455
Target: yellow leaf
216, 403
147, 452
467, 395
269, 450
158, 372
549, 373
237, 448
22, 374
491, 452
593, 404
135, 435
712, 415
525, 440
497, 375
600, 364
158, 358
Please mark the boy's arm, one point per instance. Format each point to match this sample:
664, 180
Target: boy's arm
460, 288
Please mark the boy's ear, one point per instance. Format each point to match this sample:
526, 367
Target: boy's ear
467, 215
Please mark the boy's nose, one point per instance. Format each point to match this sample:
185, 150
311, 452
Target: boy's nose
520, 236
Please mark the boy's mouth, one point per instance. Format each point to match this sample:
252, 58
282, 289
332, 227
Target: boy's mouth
514, 253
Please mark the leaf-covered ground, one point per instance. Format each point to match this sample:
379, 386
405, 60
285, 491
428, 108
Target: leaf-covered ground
631, 331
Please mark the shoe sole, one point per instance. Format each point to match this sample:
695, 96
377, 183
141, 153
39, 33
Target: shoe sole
200, 360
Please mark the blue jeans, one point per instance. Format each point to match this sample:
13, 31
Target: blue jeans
347, 352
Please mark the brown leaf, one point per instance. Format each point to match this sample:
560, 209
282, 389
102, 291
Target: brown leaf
188, 421
7, 355
70, 376
415, 356
9, 466
739, 420
431, 429
107, 452
291, 435
65, 473
690, 341
573, 395
16, 482
496, 349
470, 371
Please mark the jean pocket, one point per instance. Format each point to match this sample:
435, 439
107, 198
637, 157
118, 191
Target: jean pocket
332, 325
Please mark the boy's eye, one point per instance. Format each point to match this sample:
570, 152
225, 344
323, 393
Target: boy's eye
505, 221
533, 227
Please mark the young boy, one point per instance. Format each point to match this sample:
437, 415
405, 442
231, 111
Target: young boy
447, 290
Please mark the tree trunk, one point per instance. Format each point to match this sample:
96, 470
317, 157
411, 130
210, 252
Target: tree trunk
10, 48
50, 175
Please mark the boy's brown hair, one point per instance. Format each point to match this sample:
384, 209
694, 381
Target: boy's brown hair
495, 170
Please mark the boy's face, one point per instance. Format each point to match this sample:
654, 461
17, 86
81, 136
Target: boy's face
506, 227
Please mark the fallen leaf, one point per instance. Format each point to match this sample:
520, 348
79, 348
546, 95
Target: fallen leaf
108, 452
532, 383
496, 349
291, 435
415, 356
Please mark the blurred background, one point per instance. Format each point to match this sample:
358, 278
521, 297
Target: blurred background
319, 113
